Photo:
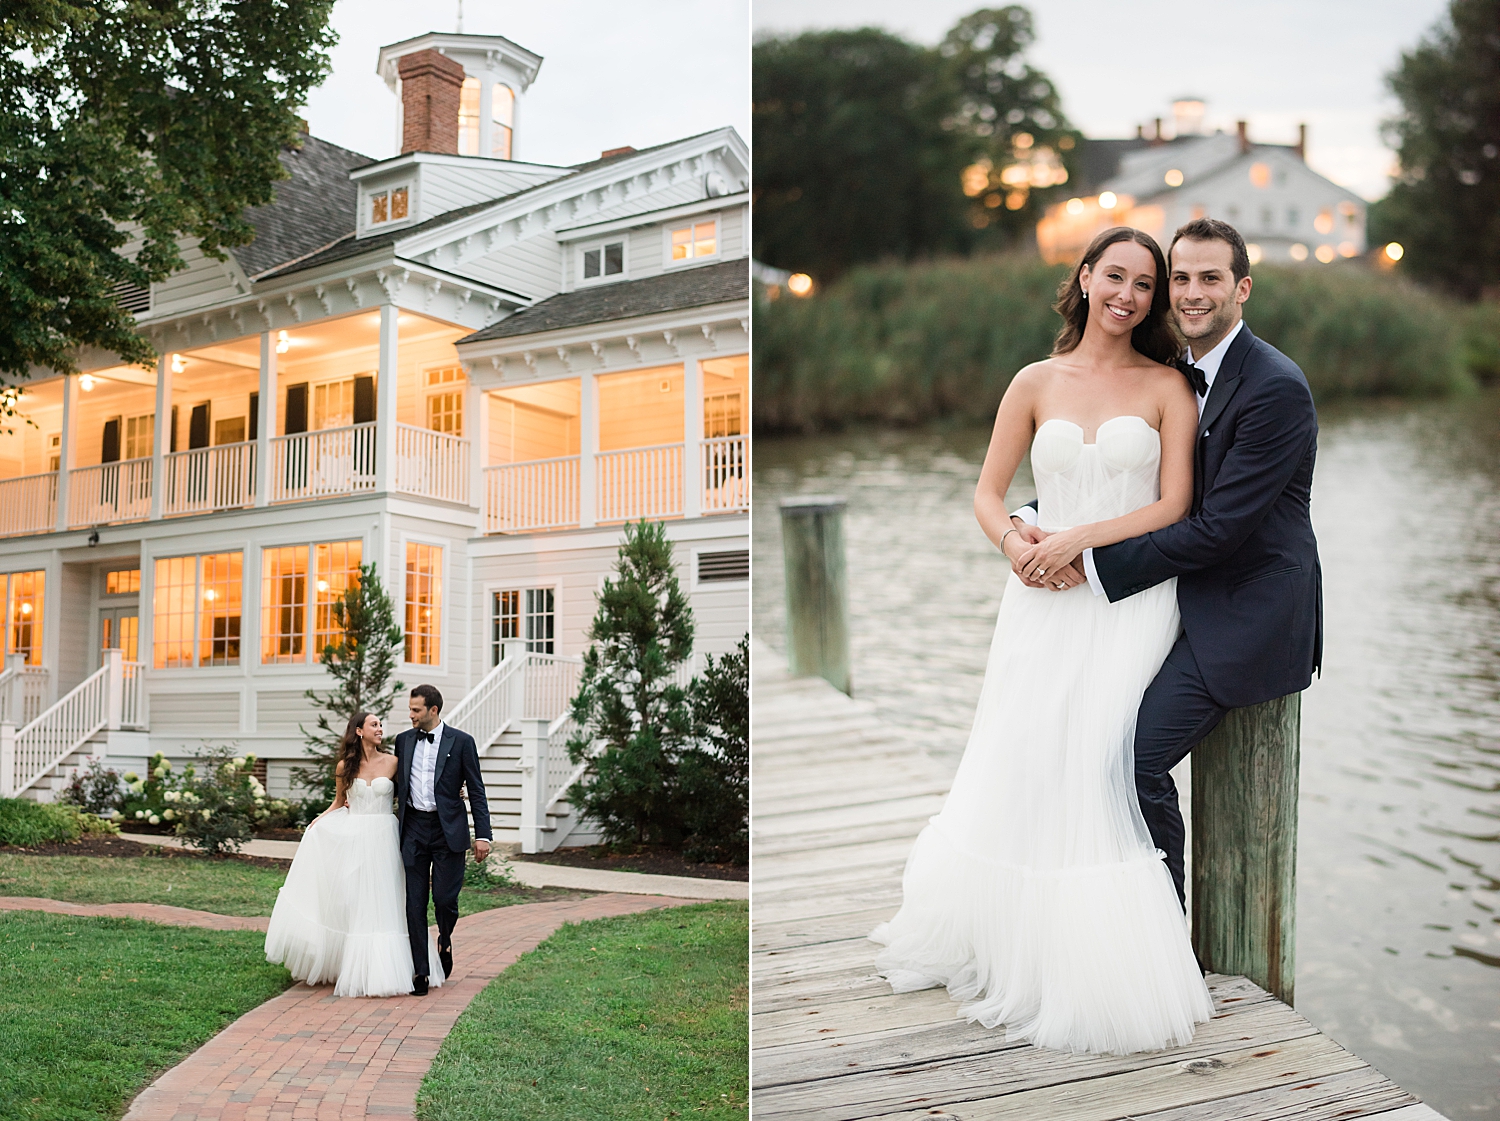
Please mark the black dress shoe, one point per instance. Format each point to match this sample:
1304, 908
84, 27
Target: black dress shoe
445, 959
419, 986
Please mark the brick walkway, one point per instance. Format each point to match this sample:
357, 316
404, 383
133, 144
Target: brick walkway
150, 912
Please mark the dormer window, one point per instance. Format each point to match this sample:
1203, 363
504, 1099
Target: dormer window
601, 262
388, 206
502, 121
701, 239
468, 118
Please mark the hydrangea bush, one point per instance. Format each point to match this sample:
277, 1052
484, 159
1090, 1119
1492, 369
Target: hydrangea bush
214, 804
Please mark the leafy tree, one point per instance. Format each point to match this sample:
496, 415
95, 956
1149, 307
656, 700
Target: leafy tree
715, 771
361, 663
862, 141
642, 632
124, 126
1444, 205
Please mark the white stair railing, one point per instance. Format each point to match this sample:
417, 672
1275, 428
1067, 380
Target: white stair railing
492, 706
30, 753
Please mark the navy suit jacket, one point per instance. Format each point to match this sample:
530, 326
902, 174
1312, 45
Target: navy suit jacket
457, 767
1249, 585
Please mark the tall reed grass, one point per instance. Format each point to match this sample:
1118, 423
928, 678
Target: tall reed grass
899, 344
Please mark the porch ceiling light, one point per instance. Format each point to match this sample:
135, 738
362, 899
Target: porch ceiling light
283, 344
86, 382
179, 363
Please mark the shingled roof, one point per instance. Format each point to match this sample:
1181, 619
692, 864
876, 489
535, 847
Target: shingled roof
686, 288
313, 208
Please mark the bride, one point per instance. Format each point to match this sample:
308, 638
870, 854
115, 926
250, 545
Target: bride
341, 915
1036, 895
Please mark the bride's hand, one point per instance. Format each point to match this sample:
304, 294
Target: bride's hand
1048, 561
1017, 545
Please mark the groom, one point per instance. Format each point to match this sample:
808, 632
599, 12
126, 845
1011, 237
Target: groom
434, 762
1249, 586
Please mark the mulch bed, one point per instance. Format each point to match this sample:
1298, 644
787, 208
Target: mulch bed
119, 846
660, 862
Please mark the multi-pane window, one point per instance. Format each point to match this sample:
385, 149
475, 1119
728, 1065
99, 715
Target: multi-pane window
468, 118
388, 206
604, 260
196, 610
333, 404
138, 435
424, 603
122, 582
698, 240
23, 595
290, 632
502, 121
529, 614
445, 400
723, 415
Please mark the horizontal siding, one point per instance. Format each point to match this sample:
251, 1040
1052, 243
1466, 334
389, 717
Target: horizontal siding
207, 714
532, 267
201, 280
278, 712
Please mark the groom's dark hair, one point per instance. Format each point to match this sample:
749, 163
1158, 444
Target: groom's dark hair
1211, 229
430, 696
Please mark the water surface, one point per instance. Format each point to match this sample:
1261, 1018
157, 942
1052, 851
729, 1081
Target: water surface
1398, 901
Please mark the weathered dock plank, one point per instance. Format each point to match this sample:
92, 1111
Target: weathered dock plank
837, 798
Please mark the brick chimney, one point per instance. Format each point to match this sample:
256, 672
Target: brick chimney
608, 152
430, 87
1243, 128
1301, 148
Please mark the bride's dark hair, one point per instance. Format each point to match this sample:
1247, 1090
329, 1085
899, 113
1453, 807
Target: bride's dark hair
350, 750
1153, 336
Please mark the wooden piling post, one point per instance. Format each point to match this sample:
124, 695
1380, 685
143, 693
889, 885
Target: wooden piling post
817, 590
1245, 845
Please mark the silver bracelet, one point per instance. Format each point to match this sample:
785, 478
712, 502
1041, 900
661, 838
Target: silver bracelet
1003, 536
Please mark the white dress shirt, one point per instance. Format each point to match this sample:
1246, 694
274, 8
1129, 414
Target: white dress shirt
424, 770
1209, 364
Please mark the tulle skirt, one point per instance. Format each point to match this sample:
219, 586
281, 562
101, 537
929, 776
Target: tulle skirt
340, 917
1036, 895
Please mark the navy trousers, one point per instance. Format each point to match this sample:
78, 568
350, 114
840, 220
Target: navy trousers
431, 866
1176, 713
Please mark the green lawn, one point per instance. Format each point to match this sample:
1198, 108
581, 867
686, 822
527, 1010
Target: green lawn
638, 1017
92, 1009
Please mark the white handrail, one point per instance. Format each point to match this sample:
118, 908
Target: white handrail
28, 504
725, 464
110, 492
130, 707
489, 709
206, 479
640, 483
536, 494
323, 464
432, 464
61, 730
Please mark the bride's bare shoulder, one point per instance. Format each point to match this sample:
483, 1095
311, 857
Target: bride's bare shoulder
1033, 378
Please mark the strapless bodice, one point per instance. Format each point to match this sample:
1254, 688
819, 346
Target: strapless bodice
370, 797
1078, 483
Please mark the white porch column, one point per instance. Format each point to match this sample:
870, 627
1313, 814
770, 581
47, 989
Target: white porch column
588, 448
477, 428
114, 705
161, 436
533, 784
265, 424
385, 407
65, 448
692, 439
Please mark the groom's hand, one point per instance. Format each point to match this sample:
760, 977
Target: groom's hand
1031, 535
481, 850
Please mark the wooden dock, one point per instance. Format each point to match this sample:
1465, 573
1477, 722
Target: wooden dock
838, 798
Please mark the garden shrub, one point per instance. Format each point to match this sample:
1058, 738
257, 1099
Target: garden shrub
26, 824
714, 773
215, 804
95, 789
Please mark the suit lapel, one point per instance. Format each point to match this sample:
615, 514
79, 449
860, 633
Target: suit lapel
404, 744
442, 755
1227, 381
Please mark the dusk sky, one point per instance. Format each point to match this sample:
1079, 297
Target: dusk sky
638, 73
1273, 63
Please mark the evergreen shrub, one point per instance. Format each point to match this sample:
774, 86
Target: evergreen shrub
26, 824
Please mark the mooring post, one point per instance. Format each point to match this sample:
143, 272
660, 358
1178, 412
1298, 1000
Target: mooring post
1245, 845
817, 591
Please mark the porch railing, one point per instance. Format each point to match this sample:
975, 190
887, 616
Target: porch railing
323, 464
540, 494
207, 479
28, 504
132, 714
726, 474
640, 483
432, 464
110, 492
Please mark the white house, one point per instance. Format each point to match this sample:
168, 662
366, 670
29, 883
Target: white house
468, 368
1286, 211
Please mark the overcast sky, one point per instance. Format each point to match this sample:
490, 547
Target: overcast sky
1118, 64
638, 72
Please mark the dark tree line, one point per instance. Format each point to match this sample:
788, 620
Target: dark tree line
862, 140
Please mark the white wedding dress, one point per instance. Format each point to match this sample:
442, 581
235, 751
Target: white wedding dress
341, 914
1036, 895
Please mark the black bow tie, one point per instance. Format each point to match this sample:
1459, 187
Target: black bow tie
1195, 376
428, 736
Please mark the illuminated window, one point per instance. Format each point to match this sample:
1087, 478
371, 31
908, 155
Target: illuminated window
196, 610
529, 613
722, 415
333, 404
138, 435
445, 408
697, 240
424, 603
388, 206
502, 121
283, 612
468, 118
604, 260
23, 632
335, 571
122, 582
